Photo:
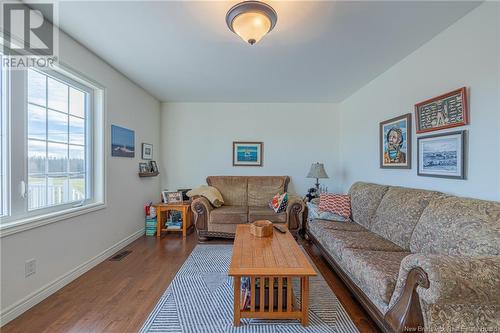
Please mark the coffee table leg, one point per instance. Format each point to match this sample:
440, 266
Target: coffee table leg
305, 300
237, 293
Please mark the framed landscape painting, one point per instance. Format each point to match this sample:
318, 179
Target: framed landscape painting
442, 155
122, 142
247, 153
395, 143
444, 111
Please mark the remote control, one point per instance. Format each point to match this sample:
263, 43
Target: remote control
280, 228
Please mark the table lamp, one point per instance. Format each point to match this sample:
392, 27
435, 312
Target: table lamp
317, 171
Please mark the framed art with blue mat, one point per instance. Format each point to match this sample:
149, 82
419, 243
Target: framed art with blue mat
395, 143
122, 142
247, 153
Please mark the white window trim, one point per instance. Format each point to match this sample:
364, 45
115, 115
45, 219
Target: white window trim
99, 157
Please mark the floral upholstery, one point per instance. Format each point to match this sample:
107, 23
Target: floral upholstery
339, 240
462, 293
375, 272
399, 212
458, 226
456, 241
365, 198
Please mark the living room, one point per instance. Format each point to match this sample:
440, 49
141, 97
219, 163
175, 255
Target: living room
390, 109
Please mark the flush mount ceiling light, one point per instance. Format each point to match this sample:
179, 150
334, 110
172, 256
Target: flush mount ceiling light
251, 20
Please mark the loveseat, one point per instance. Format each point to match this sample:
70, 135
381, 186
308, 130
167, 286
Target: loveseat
246, 199
418, 259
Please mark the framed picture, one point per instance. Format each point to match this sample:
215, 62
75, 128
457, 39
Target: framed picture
144, 167
164, 196
147, 151
174, 197
153, 166
444, 111
247, 153
122, 142
442, 155
395, 143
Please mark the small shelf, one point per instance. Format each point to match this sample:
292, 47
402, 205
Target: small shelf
148, 174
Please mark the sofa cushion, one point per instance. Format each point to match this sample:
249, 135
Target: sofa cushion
229, 215
458, 226
232, 188
262, 189
365, 198
375, 272
322, 225
336, 241
335, 203
399, 212
265, 213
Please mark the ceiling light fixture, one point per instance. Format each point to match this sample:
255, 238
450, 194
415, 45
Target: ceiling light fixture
251, 20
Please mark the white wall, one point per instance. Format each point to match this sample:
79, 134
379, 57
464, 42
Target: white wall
64, 246
465, 54
197, 141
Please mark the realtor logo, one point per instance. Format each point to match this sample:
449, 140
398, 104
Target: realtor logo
28, 31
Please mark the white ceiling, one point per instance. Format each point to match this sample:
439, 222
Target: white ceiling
319, 51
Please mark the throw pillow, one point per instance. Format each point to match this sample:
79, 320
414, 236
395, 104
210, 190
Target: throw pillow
279, 202
313, 213
335, 203
211, 193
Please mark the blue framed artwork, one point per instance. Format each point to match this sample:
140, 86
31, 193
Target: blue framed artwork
395, 143
442, 155
247, 153
122, 142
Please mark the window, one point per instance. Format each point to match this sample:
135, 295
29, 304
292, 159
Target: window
57, 153
51, 144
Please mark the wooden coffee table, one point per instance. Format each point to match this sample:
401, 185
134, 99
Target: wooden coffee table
274, 261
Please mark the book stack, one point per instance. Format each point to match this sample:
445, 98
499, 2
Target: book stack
150, 226
174, 220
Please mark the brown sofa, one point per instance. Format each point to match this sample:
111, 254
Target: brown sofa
246, 199
418, 259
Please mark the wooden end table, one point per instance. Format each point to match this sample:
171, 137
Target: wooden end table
275, 260
184, 207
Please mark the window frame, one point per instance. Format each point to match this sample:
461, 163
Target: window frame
95, 157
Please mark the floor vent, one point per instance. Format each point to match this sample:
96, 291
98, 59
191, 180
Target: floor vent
120, 256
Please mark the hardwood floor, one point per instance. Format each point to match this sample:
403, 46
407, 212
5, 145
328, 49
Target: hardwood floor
117, 296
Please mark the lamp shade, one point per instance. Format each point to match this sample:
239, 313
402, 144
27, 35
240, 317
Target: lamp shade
317, 171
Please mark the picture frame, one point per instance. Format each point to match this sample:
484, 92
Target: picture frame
444, 111
442, 155
174, 197
395, 140
144, 167
247, 153
154, 166
122, 142
147, 151
164, 196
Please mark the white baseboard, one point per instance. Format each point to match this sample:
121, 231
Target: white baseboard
36, 297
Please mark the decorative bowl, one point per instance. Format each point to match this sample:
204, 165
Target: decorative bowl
261, 228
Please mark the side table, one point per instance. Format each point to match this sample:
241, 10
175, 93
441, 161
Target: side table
183, 207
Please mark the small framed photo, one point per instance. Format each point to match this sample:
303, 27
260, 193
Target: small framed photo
147, 151
247, 153
154, 167
174, 197
442, 155
144, 167
164, 196
395, 143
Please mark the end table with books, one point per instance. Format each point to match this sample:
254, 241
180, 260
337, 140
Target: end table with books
163, 208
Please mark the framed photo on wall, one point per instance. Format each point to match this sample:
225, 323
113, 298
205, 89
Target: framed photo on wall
395, 143
122, 142
442, 155
147, 151
247, 153
444, 111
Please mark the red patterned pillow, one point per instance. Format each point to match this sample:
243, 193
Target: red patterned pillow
335, 203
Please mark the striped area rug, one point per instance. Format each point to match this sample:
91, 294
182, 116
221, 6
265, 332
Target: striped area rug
200, 299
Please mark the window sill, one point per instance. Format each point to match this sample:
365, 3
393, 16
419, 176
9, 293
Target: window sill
21, 225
